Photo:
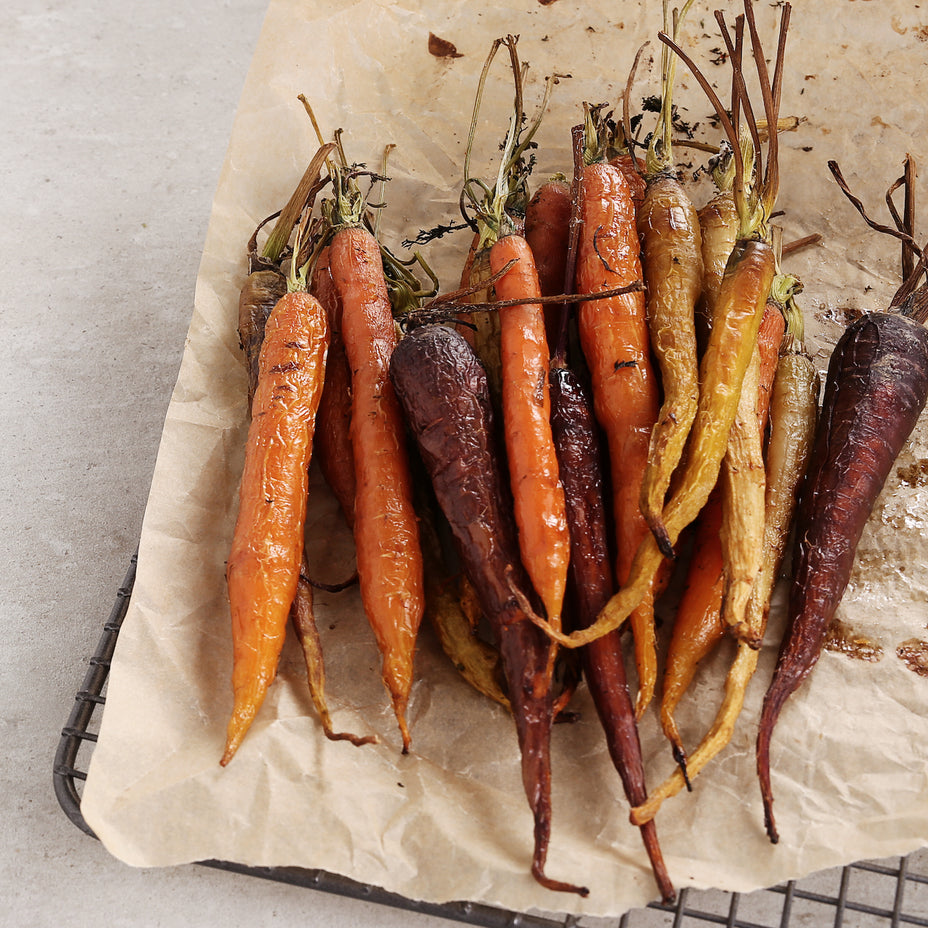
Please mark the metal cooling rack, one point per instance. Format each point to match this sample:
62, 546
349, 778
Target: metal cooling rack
869, 894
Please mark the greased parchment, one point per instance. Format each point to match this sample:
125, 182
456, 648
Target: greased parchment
450, 821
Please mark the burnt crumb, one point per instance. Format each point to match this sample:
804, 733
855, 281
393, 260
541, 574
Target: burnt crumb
807, 148
547, 2
914, 474
719, 55
442, 48
914, 654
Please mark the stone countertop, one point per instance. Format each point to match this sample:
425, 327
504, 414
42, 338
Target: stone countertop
116, 118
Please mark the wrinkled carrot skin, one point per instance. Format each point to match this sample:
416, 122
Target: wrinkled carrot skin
385, 529
794, 406
875, 390
733, 337
547, 231
616, 345
446, 398
258, 296
591, 584
672, 263
538, 496
698, 626
333, 421
743, 484
263, 568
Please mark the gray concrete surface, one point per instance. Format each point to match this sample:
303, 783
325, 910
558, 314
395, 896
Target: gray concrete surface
115, 120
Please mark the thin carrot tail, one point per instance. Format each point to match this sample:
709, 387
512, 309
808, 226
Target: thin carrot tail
776, 696
659, 868
536, 758
247, 701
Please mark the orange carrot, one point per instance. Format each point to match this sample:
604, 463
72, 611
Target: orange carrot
537, 492
385, 528
547, 231
615, 341
333, 436
267, 545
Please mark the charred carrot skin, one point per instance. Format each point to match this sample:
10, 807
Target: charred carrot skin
385, 528
333, 424
444, 391
615, 341
538, 496
267, 544
591, 585
875, 390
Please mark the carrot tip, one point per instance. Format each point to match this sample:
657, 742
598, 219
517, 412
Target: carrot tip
679, 755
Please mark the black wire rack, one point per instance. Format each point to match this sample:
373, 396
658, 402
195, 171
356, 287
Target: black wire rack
868, 894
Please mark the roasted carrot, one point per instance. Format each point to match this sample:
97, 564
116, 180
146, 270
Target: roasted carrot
591, 585
385, 529
698, 625
875, 390
267, 545
538, 496
333, 422
547, 231
615, 342
266, 282
793, 411
672, 264
742, 298
445, 395
303, 618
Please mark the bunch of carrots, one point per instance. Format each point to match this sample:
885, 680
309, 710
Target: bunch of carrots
618, 378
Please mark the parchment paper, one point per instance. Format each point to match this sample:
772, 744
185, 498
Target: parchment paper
450, 821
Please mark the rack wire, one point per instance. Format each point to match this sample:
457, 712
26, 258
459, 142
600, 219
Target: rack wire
870, 894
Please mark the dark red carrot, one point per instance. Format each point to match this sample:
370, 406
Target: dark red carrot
591, 583
876, 388
443, 389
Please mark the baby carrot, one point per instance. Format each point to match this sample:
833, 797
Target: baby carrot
794, 405
538, 496
267, 544
385, 529
333, 421
615, 342
445, 395
698, 626
672, 263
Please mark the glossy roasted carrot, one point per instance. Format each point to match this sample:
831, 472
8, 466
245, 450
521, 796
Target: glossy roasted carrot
333, 421
793, 409
267, 545
385, 528
547, 231
615, 342
445, 395
698, 624
538, 497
